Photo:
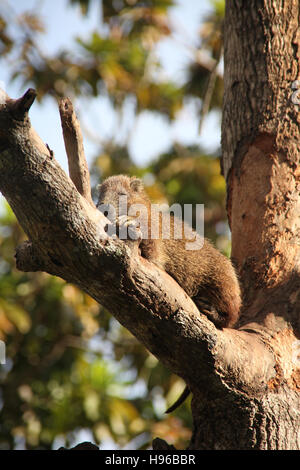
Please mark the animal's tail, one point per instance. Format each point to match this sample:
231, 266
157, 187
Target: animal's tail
180, 400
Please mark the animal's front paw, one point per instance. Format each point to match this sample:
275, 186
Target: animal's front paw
218, 318
128, 228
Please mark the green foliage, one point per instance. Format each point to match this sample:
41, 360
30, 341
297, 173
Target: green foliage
70, 365
120, 60
6, 42
190, 177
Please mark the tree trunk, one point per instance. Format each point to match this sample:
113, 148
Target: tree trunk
261, 152
245, 381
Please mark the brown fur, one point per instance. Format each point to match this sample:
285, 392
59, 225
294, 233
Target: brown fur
206, 275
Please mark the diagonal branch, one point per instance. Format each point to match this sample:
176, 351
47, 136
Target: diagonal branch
67, 238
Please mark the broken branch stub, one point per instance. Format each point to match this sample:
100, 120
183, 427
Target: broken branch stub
78, 168
67, 234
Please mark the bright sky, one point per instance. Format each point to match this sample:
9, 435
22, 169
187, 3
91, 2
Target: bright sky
152, 133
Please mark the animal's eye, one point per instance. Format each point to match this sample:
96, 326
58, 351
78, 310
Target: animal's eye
122, 193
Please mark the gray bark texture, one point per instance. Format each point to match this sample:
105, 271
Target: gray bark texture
245, 381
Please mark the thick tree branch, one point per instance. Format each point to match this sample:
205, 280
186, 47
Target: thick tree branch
67, 238
28, 258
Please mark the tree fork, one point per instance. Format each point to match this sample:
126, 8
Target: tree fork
229, 371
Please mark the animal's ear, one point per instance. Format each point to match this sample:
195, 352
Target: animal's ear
136, 184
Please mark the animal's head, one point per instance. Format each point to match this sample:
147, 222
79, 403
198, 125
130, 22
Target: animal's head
117, 193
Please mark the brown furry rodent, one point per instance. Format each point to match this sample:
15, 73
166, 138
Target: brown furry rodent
206, 275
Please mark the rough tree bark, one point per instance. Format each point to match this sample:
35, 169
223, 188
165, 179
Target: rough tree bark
245, 381
261, 153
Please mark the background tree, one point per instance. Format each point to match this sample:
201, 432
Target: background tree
115, 388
